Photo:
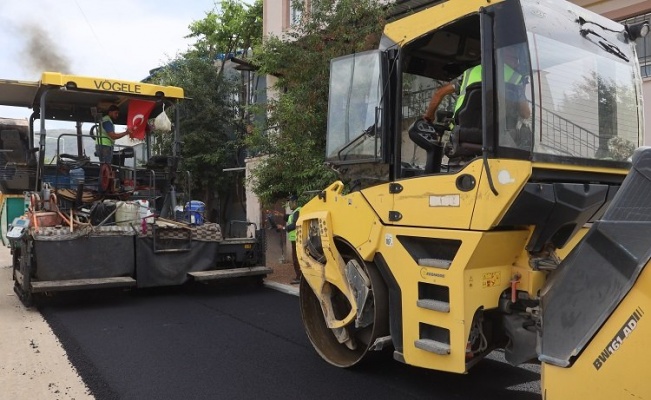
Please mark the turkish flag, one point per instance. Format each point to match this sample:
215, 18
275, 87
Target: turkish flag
137, 117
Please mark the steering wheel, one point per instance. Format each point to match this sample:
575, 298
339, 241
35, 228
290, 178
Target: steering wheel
424, 134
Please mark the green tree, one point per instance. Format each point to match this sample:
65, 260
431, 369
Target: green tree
211, 122
294, 138
209, 143
234, 26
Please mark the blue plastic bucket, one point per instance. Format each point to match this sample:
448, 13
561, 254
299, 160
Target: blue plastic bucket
194, 211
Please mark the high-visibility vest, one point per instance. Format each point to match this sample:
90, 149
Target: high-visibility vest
291, 235
103, 138
470, 76
473, 75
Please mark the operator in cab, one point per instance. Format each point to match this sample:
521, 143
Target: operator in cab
473, 75
108, 136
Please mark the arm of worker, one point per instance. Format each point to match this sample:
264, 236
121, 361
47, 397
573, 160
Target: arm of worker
281, 226
109, 128
116, 136
525, 112
290, 227
523, 104
437, 98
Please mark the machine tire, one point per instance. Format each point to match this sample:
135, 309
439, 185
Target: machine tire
323, 339
23, 291
105, 178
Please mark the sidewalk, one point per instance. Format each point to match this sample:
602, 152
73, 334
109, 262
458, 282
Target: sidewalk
283, 271
34, 365
280, 278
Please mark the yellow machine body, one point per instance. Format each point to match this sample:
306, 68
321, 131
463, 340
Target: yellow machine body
451, 239
612, 365
483, 267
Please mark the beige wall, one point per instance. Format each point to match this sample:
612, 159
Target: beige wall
253, 207
275, 15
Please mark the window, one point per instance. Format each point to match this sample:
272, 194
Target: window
585, 97
354, 108
643, 45
295, 12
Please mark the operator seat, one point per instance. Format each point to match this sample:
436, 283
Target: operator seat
120, 155
466, 136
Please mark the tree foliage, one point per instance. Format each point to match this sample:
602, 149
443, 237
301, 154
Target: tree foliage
211, 132
209, 143
294, 138
233, 26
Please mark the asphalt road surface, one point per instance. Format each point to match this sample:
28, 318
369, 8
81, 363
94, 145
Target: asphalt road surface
238, 341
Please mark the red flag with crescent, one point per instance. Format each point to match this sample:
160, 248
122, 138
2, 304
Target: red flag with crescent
137, 117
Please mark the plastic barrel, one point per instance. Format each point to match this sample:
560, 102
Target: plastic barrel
128, 213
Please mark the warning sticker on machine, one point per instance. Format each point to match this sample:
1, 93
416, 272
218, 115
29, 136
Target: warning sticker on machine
616, 342
491, 279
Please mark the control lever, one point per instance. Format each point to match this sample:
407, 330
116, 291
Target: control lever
428, 137
424, 134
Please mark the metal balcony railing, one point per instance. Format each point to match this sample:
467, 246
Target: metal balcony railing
565, 136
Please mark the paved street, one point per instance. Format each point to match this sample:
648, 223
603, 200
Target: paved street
235, 341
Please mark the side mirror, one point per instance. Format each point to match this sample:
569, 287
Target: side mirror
637, 31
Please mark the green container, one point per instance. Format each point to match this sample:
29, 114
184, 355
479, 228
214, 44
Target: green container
12, 206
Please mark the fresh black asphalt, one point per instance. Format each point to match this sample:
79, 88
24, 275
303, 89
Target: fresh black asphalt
237, 341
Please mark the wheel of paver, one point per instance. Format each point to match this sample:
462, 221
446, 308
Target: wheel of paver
25, 297
105, 178
22, 287
361, 339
